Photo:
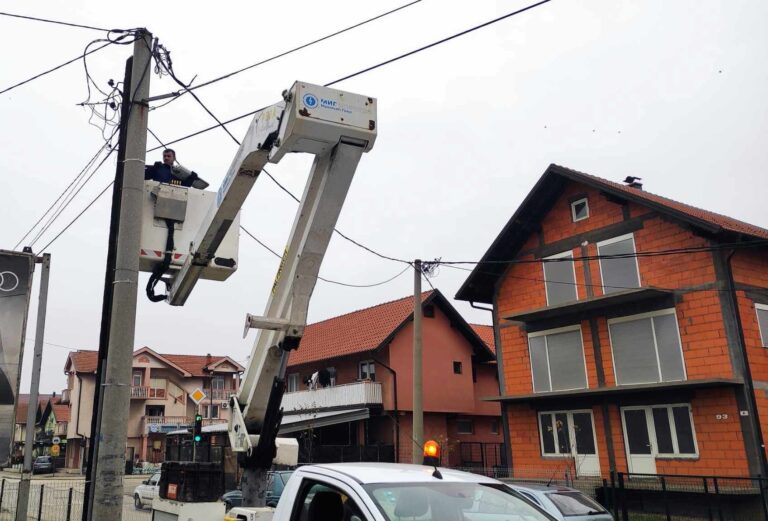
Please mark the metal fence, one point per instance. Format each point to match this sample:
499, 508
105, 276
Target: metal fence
657, 497
665, 497
56, 500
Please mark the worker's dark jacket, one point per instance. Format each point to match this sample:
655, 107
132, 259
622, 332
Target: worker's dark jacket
162, 173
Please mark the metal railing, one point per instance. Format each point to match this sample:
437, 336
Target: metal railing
358, 393
222, 394
148, 393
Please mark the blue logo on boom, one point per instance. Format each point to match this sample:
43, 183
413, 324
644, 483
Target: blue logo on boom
310, 101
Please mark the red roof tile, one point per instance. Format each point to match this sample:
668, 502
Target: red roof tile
356, 332
61, 412
23, 404
85, 362
486, 335
725, 222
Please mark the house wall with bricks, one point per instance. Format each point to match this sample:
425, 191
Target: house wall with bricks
698, 290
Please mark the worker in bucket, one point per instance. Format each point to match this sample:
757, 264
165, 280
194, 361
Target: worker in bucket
169, 172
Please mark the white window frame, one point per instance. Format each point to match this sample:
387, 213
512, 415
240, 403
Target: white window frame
218, 379
293, 377
763, 334
652, 430
562, 255
573, 209
369, 364
211, 408
140, 374
640, 316
612, 240
565, 329
571, 433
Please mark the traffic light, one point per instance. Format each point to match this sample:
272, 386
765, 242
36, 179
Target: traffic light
198, 432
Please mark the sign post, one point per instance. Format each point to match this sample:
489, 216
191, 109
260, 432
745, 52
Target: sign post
198, 395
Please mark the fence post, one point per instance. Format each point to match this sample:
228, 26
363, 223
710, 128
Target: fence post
2, 493
665, 498
623, 494
614, 503
717, 499
761, 484
69, 504
40, 504
709, 499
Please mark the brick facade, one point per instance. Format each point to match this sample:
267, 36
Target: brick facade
694, 284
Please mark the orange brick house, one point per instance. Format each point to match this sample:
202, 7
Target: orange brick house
631, 331
364, 411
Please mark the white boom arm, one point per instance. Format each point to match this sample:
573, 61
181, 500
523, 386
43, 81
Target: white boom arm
337, 127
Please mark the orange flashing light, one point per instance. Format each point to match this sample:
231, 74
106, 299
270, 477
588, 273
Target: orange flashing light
432, 449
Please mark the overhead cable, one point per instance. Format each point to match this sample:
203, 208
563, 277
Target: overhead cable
59, 22
290, 51
346, 284
36, 76
368, 69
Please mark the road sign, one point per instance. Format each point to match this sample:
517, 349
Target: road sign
197, 396
55, 450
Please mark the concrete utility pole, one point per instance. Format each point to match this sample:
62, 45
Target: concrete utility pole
22, 498
107, 476
418, 387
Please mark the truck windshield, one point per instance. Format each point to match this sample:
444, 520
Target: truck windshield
451, 502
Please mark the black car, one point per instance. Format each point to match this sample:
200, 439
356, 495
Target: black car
277, 481
43, 464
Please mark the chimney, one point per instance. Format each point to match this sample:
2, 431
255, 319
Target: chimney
633, 182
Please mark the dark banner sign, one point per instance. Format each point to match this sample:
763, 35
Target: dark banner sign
15, 287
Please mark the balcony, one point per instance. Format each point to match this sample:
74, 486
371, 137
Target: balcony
222, 394
147, 393
159, 424
339, 396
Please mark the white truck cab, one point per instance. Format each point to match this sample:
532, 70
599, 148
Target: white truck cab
390, 492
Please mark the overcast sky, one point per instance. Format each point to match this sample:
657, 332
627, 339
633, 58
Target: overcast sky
671, 91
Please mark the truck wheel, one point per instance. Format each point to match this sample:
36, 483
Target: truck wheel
137, 502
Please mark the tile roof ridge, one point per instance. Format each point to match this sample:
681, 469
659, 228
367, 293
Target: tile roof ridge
424, 294
643, 192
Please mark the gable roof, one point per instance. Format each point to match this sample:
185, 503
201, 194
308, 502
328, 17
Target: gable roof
188, 365
22, 406
374, 327
479, 286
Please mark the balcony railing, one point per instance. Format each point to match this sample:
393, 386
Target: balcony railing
222, 394
347, 395
147, 393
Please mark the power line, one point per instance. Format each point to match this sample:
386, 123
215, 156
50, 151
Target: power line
59, 22
291, 51
346, 284
73, 221
169, 68
368, 69
446, 39
90, 162
581, 284
69, 200
73, 60
650, 253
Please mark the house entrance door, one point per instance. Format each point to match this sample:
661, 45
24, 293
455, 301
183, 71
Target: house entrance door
637, 438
